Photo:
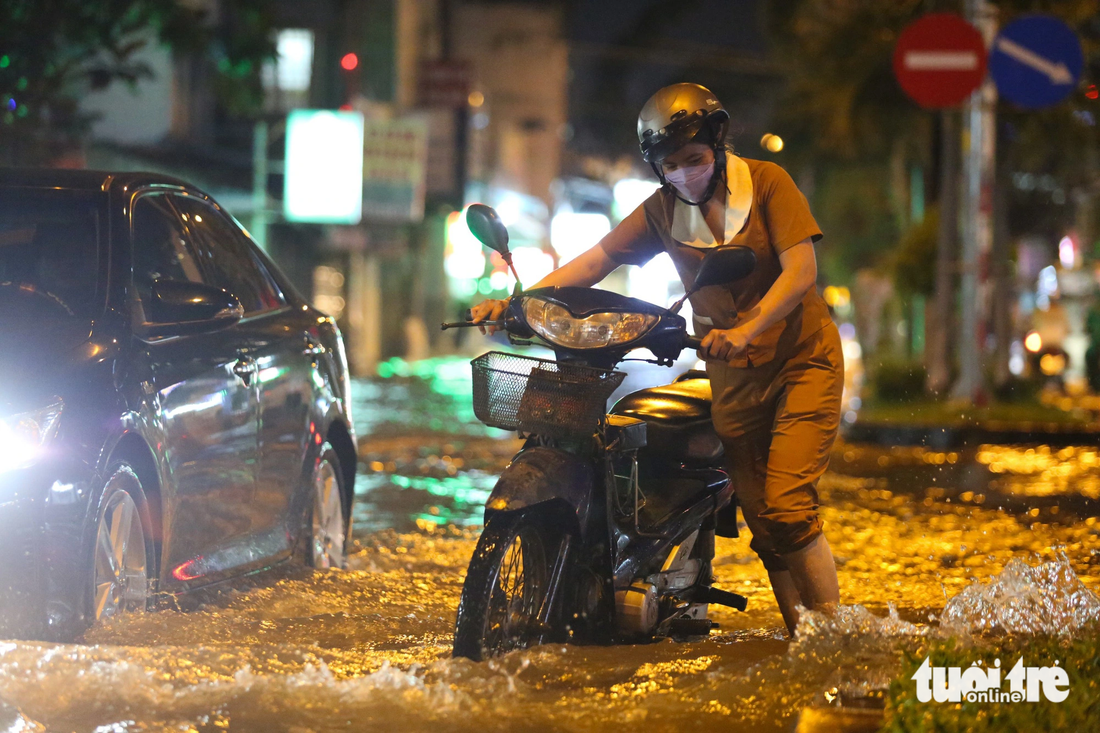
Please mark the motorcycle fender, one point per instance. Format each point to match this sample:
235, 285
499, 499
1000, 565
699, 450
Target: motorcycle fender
538, 475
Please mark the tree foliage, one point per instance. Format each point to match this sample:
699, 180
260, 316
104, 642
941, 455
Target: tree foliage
52, 52
842, 100
915, 256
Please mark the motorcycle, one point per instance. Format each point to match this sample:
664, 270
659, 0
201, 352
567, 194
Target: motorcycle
601, 529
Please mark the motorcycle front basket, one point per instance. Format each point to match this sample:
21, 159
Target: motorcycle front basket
541, 396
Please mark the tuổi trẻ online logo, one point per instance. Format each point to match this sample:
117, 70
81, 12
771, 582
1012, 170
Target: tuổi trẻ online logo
984, 684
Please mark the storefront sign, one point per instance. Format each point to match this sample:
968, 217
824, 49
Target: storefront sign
394, 169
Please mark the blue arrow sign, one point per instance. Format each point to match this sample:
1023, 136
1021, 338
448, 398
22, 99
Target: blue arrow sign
1035, 61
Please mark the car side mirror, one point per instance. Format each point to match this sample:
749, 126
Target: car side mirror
720, 266
178, 307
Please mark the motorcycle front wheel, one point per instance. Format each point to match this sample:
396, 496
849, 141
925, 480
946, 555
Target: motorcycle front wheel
506, 586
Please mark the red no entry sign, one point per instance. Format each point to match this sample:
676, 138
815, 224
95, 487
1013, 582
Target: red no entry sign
939, 60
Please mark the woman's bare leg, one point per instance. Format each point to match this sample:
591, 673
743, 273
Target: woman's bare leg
813, 572
786, 595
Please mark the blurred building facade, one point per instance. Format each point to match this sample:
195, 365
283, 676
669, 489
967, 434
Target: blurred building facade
486, 80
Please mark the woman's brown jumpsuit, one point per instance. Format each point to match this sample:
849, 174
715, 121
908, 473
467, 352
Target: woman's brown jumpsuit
777, 405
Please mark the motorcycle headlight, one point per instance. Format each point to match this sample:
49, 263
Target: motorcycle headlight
23, 435
558, 326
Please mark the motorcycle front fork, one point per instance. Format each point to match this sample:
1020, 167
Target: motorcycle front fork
557, 574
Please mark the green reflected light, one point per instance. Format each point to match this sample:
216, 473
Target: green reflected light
462, 490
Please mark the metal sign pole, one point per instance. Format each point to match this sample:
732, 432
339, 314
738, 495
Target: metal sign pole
977, 224
939, 361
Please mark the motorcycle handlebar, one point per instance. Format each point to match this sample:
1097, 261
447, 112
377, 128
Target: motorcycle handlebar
469, 322
693, 342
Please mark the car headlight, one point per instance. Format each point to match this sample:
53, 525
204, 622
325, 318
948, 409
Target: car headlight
559, 326
23, 435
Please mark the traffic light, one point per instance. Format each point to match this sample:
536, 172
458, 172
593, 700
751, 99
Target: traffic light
349, 63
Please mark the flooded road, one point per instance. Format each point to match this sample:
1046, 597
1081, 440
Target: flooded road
996, 539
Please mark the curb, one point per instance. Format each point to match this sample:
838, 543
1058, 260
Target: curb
944, 438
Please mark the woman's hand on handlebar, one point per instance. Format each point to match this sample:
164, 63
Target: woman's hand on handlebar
726, 344
488, 310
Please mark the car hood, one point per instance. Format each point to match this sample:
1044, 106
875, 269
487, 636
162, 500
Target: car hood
35, 358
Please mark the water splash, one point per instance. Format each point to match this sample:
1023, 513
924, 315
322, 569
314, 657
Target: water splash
854, 622
77, 688
1044, 599
12, 720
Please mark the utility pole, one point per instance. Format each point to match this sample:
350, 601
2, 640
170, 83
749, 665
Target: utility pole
939, 338
259, 184
977, 225
461, 113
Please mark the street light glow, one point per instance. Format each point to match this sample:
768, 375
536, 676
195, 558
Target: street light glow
1067, 253
1033, 342
464, 259
629, 193
572, 233
771, 142
324, 167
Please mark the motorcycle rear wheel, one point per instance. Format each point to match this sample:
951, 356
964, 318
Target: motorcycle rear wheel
506, 584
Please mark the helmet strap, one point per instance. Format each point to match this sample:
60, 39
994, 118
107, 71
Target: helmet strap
660, 175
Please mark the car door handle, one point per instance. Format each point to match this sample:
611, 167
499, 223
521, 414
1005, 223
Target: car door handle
245, 368
313, 348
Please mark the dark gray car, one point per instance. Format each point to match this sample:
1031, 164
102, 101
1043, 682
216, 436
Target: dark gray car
172, 412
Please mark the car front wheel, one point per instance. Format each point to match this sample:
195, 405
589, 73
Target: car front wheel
121, 565
328, 521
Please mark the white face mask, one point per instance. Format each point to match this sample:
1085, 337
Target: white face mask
692, 181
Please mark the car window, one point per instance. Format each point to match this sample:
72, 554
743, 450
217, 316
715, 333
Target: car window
227, 257
49, 254
160, 246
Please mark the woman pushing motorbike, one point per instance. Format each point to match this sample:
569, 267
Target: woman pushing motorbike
773, 353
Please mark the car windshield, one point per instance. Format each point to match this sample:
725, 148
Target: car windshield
49, 253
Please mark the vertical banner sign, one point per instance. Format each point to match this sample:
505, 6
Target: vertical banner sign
1036, 61
323, 181
395, 156
939, 60
444, 84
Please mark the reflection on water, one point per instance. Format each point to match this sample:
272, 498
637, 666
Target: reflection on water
928, 544
431, 395
1040, 471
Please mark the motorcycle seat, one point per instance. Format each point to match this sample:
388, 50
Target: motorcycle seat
678, 426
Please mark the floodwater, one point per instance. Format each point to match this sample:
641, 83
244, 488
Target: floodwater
997, 539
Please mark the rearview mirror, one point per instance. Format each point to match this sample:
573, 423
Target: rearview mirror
180, 307
725, 265
487, 227
720, 266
